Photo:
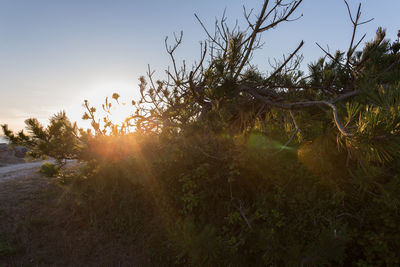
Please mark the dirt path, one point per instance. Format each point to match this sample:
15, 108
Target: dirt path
19, 170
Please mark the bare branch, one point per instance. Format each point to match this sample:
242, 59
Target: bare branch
213, 39
258, 28
304, 104
278, 70
355, 23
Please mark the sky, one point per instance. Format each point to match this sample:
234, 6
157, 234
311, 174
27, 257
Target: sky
56, 53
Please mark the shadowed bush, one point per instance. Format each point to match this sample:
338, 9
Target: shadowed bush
49, 169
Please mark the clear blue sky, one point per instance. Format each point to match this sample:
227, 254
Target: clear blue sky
54, 53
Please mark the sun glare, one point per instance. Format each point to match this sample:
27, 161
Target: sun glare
98, 91
120, 112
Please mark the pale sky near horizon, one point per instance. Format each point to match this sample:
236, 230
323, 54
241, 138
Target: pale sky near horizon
55, 54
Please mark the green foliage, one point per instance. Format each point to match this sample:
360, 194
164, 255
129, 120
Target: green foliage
6, 249
49, 169
242, 208
58, 140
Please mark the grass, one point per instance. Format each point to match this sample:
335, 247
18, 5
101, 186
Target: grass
6, 249
45, 223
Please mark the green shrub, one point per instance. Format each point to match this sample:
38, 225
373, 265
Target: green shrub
243, 209
49, 169
6, 249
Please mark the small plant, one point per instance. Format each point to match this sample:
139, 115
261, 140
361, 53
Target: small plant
49, 169
6, 249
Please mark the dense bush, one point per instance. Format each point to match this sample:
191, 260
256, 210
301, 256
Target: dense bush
49, 169
245, 208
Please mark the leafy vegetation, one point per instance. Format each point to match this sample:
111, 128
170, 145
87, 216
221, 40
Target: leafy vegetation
6, 249
58, 140
49, 169
223, 165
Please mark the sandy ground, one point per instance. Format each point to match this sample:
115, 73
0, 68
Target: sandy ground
19, 170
